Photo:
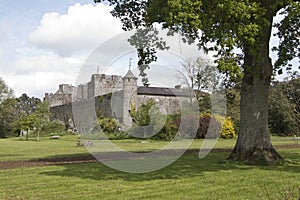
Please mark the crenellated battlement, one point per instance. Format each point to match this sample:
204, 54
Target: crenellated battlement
100, 84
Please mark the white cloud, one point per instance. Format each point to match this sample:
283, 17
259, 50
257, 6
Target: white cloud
36, 75
37, 83
82, 28
47, 63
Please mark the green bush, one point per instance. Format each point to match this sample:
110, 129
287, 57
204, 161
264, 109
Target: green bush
209, 126
119, 135
108, 125
53, 127
169, 129
189, 124
108, 128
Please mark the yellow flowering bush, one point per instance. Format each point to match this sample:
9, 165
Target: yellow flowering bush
228, 131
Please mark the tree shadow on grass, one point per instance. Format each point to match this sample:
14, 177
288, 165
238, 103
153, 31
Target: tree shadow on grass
187, 166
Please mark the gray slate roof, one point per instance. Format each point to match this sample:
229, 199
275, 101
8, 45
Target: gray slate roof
158, 91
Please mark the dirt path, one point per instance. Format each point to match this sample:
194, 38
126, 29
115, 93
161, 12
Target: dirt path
47, 162
89, 158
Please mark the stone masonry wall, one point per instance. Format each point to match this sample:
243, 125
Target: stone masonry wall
103, 105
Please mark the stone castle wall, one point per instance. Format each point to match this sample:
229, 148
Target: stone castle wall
101, 105
110, 96
100, 84
111, 105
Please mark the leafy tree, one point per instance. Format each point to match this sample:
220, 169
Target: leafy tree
34, 121
41, 117
26, 104
7, 109
25, 122
5, 92
7, 117
284, 107
227, 25
291, 89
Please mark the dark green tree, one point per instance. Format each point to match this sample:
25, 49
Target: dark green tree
5, 92
229, 24
7, 109
26, 105
284, 107
8, 115
291, 89
243, 24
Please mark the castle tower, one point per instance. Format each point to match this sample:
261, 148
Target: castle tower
129, 91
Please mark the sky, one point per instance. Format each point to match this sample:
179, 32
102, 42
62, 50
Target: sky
45, 43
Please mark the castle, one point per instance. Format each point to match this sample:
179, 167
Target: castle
100, 84
125, 91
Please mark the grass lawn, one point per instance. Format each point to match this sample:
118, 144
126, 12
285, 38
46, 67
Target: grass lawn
16, 149
187, 178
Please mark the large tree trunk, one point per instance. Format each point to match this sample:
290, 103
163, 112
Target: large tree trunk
253, 143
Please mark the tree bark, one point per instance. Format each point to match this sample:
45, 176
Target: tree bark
27, 134
253, 143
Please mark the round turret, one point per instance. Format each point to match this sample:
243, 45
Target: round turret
129, 91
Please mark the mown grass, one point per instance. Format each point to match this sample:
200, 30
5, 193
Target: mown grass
188, 178
16, 149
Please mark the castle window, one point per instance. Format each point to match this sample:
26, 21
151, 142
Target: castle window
129, 80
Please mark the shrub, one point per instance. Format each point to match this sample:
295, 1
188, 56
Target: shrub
228, 131
185, 127
52, 127
108, 128
142, 115
169, 129
108, 125
189, 123
148, 122
208, 124
119, 135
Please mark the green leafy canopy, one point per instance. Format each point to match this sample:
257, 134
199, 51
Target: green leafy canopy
227, 24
